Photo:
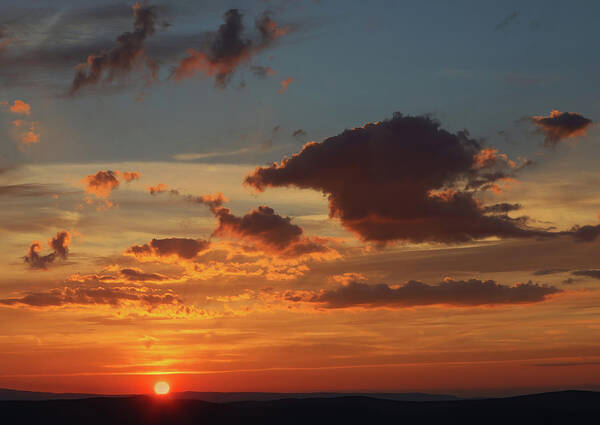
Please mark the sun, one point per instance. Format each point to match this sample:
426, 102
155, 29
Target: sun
162, 388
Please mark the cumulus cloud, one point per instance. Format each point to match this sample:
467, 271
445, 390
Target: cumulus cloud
559, 126
127, 55
182, 248
404, 178
226, 49
103, 183
262, 227
460, 293
59, 246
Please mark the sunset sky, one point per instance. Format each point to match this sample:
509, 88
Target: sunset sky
299, 196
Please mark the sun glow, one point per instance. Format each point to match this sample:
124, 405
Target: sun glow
162, 388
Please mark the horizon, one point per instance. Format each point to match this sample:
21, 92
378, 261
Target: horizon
297, 197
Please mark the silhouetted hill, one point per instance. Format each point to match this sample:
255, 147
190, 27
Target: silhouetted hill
570, 407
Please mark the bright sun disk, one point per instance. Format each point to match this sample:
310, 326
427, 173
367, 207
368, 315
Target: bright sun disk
162, 388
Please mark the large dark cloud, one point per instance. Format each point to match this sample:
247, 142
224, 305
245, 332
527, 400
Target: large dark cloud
59, 246
450, 292
404, 178
559, 126
228, 48
125, 56
183, 248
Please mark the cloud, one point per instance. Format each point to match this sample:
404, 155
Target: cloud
404, 178
545, 272
20, 107
501, 208
595, 274
226, 49
103, 183
285, 83
299, 133
181, 248
504, 23
587, 233
559, 126
122, 58
159, 188
262, 71
114, 296
59, 246
262, 225
461, 293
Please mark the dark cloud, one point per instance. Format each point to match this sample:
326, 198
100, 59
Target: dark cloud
183, 248
402, 179
587, 233
299, 133
97, 295
594, 273
501, 208
59, 246
262, 71
559, 126
136, 275
504, 23
545, 272
262, 225
228, 48
450, 292
124, 57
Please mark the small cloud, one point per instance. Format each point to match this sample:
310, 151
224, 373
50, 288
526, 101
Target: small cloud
60, 249
284, 84
508, 20
559, 126
20, 107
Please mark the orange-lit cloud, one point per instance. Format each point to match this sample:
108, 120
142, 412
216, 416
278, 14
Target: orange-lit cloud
159, 188
227, 48
59, 246
426, 180
20, 107
284, 84
103, 183
560, 126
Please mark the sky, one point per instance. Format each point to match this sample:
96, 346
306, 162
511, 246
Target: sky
299, 196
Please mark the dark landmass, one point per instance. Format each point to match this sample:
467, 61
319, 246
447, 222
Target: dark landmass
569, 407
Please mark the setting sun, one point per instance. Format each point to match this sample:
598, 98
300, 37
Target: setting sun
162, 388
